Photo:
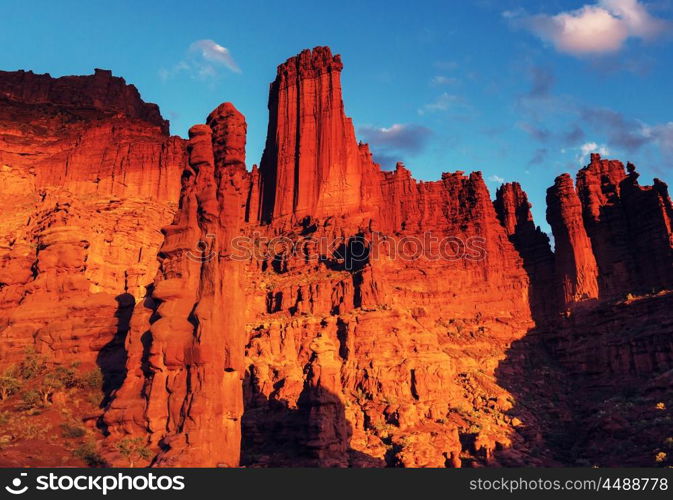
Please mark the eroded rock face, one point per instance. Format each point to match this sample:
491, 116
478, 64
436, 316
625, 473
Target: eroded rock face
318, 311
353, 353
88, 179
100, 93
576, 269
190, 397
511, 204
618, 233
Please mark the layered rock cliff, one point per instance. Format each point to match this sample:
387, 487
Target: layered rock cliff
318, 310
89, 176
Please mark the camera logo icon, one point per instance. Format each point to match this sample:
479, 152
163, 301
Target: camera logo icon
15, 488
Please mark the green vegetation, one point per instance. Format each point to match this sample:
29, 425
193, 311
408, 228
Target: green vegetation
9, 383
71, 431
92, 379
134, 449
15, 427
30, 388
51, 383
32, 365
32, 400
41, 383
88, 452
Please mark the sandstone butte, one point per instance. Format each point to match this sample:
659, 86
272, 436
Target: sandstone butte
121, 248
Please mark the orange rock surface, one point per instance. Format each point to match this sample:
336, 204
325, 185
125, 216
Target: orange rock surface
317, 310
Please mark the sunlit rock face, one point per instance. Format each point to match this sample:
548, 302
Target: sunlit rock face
89, 176
317, 310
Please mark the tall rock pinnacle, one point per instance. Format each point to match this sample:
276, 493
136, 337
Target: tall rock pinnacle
311, 163
576, 268
194, 396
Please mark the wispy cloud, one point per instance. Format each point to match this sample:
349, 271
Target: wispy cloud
204, 60
439, 80
542, 81
574, 135
663, 135
215, 53
625, 133
496, 178
601, 28
446, 65
539, 156
391, 144
444, 102
540, 134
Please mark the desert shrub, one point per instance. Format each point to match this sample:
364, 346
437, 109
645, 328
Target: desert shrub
88, 452
51, 383
67, 377
72, 431
17, 426
5, 440
31, 400
92, 379
134, 449
32, 365
9, 384
94, 399
31, 430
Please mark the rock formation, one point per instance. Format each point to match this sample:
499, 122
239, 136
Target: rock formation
89, 176
311, 164
317, 310
194, 348
576, 269
613, 236
513, 209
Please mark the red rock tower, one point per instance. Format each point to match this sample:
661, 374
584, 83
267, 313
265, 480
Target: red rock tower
311, 163
576, 268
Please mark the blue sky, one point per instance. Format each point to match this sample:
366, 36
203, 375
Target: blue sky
521, 90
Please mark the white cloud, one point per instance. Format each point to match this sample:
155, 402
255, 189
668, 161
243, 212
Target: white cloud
203, 61
511, 14
634, 14
496, 178
443, 103
595, 29
591, 147
215, 53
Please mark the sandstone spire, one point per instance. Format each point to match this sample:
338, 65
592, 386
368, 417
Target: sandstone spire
196, 345
311, 163
576, 268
